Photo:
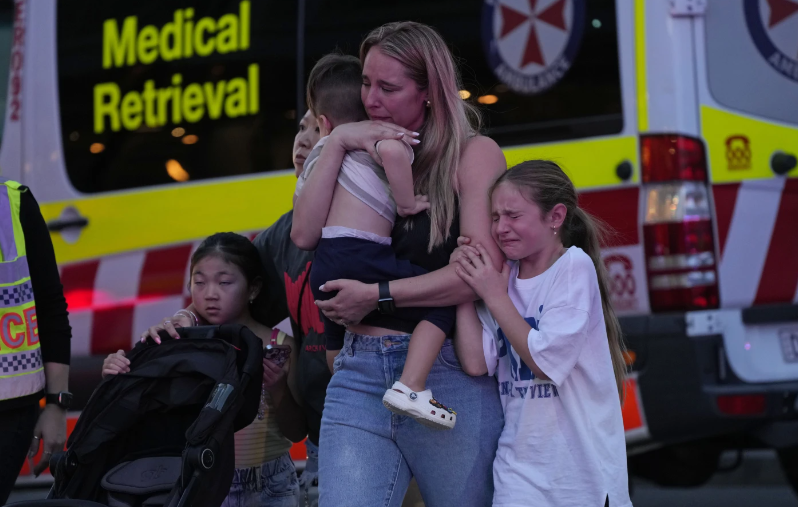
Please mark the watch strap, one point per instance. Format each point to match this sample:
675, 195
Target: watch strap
56, 399
385, 291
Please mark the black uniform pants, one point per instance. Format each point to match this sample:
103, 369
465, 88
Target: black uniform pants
16, 432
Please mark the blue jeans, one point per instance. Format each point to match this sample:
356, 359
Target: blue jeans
368, 454
309, 480
272, 485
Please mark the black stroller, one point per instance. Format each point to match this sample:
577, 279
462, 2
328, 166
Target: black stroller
162, 434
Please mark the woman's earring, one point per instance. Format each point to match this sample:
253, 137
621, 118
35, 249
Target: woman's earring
428, 103
554, 229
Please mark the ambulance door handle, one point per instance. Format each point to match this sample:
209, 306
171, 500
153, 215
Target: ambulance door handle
69, 219
60, 225
782, 163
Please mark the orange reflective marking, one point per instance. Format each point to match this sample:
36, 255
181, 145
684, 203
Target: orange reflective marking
632, 418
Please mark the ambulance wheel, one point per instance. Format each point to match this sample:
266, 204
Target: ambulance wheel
788, 457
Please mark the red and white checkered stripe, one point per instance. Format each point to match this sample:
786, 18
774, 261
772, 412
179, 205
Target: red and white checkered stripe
114, 299
758, 240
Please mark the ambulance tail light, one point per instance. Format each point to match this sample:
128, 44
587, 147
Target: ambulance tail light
669, 157
677, 229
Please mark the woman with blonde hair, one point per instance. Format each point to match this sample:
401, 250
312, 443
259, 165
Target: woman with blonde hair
368, 455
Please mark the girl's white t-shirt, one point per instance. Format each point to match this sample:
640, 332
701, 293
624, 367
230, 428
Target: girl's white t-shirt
563, 441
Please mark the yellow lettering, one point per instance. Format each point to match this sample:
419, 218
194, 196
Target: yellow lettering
253, 72
188, 47
148, 44
119, 50
193, 105
177, 113
149, 104
173, 30
214, 99
227, 39
131, 110
243, 18
204, 48
106, 102
236, 102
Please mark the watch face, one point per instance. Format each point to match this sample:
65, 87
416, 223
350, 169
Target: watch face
65, 399
386, 306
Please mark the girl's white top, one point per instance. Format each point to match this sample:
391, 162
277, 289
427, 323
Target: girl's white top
563, 441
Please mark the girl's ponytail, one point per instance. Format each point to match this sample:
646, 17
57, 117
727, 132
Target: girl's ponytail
547, 185
586, 232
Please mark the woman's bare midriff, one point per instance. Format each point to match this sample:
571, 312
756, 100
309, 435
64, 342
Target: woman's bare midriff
367, 330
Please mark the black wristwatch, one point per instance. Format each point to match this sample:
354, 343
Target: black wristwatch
62, 399
385, 304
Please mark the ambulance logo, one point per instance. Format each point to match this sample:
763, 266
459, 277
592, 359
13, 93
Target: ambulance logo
773, 25
623, 287
531, 44
738, 152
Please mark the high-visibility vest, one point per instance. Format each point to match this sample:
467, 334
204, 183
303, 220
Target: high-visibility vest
21, 367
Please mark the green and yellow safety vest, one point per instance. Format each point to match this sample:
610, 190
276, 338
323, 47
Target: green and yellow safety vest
21, 367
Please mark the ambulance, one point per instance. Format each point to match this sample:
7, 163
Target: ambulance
142, 127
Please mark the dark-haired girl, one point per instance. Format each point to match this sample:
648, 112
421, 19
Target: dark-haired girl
225, 280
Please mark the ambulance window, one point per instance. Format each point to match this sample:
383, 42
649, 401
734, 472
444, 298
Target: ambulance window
752, 58
558, 81
155, 93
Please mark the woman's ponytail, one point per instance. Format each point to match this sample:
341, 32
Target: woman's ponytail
547, 185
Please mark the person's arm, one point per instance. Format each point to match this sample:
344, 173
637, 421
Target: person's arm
291, 419
313, 203
516, 329
282, 384
52, 318
396, 162
491, 285
182, 318
482, 163
330, 355
468, 340
55, 333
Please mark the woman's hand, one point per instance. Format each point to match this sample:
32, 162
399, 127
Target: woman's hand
480, 275
364, 135
170, 325
116, 363
51, 431
275, 378
354, 301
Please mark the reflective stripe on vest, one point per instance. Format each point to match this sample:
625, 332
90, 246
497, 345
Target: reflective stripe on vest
21, 368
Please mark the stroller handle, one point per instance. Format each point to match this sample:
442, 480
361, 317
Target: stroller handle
241, 337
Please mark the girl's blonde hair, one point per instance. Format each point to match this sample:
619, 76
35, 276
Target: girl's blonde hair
546, 184
450, 121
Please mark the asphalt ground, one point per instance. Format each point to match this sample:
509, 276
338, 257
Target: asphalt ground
757, 482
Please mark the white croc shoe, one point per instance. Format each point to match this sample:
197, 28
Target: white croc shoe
422, 407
